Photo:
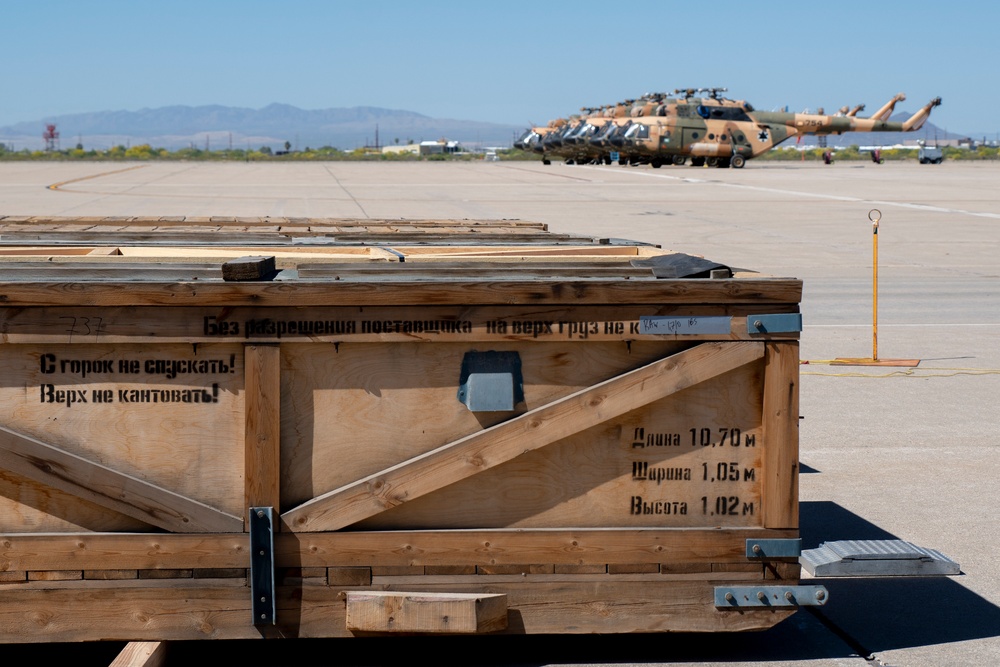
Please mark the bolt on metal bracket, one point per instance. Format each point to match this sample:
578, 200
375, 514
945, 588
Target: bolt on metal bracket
773, 548
742, 597
779, 323
262, 577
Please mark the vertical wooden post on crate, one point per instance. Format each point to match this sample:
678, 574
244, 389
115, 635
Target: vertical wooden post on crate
780, 486
262, 370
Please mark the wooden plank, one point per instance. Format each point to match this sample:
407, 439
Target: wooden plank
634, 568
166, 574
97, 551
484, 581
531, 430
249, 268
521, 570
55, 575
167, 611
349, 576
142, 654
468, 323
262, 365
780, 483
109, 488
110, 574
289, 295
448, 613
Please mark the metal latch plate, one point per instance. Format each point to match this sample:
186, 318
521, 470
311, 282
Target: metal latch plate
741, 597
774, 548
779, 323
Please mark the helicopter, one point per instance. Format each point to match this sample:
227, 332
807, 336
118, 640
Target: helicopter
712, 130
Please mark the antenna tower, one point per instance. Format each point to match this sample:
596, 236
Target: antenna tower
51, 137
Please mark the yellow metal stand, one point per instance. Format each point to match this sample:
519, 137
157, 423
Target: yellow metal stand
874, 215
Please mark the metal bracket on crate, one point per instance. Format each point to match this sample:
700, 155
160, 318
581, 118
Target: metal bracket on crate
262, 588
774, 548
741, 597
780, 323
491, 381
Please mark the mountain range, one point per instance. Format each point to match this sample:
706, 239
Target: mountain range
219, 127
216, 127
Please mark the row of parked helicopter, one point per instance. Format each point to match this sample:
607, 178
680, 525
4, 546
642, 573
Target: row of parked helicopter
696, 124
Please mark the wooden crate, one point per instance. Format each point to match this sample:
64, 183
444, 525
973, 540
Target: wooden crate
524, 423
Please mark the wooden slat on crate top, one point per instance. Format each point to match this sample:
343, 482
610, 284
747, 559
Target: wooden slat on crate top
289, 294
534, 429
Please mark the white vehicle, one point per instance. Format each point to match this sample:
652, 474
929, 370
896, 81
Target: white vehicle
930, 155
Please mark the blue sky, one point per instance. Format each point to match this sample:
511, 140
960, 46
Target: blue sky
509, 62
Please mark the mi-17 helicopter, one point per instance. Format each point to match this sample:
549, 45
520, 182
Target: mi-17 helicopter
717, 131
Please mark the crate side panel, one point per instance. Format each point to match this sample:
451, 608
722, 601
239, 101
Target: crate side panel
690, 460
168, 414
349, 411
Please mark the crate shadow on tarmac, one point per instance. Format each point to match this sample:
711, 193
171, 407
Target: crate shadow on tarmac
880, 614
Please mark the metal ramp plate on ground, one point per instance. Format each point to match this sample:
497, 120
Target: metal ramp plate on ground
876, 558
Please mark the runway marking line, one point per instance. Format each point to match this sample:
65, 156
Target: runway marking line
56, 186
910, 205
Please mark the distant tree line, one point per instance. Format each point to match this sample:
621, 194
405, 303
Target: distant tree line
143, 152
856, 153
264, 153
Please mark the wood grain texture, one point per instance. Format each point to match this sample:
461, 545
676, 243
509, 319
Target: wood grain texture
169, 415
142, 654
109, 488
532, 430
781, 435
262, 364
115, 551
434, 613
499, 292
364, 324
159, 611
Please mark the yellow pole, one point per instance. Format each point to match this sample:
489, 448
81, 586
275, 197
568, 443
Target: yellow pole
874, 215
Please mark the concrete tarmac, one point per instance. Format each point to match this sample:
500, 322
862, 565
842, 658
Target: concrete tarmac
907, 453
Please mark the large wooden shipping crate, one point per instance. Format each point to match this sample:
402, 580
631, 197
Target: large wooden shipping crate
226, 428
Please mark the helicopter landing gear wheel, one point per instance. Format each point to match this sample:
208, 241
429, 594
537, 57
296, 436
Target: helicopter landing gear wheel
712, 162
738, 161
679, 160
697, 162
655, 164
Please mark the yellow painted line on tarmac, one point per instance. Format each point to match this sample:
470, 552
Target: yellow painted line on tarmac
56, 186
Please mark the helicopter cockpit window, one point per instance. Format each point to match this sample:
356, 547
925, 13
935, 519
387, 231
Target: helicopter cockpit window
726, 113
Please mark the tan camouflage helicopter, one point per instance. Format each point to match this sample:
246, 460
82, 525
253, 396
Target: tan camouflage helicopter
716, 131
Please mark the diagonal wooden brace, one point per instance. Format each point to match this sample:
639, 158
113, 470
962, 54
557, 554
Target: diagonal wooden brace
110, 488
